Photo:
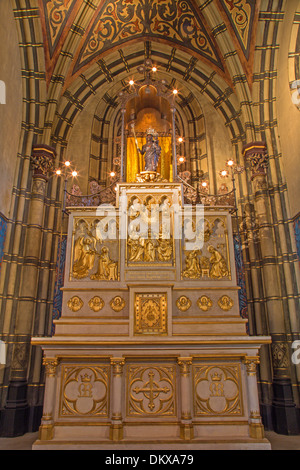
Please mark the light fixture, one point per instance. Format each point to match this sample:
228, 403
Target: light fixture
112, 174
204, 184
154, 69
180, 139
58, 172
223, 173
67, 163
175, 91
181, 159
131, 82
230, 162
74, 173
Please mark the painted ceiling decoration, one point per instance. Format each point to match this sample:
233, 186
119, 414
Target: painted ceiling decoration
112, 24
240, 14
120, 21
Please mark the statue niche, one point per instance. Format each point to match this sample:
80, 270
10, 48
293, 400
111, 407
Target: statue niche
149, 143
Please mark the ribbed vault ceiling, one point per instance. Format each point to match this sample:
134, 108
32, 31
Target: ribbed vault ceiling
94, 48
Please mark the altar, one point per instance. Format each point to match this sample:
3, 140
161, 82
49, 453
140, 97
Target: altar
150, 351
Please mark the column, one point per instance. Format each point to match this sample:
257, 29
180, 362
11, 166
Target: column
17, 415
256, 428
116, 428
46, 428
284, 409
186, 425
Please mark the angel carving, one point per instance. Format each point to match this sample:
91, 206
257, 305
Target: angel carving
84, 256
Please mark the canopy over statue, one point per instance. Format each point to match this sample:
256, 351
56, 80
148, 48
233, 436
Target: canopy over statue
152, 151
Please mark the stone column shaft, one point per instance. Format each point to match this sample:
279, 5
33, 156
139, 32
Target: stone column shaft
46, 428
255, 424
116, 429
285, 413
186, 427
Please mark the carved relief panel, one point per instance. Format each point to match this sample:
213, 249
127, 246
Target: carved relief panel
150, 314
218, 390
151, 390
95, 251
150, 238
205, 249
84, 391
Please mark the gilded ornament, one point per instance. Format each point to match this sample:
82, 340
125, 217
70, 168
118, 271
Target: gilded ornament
204, 303
96, 304
151, 390
107, 268
225, 303
117, 303
164, 249
85, 391
136, 249
193, 269
219, 267
150, 314
183, 303
84, 256
217, 390
75, 303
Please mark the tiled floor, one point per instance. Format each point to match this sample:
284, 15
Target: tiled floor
278, 442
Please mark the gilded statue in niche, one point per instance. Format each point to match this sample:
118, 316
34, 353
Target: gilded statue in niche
152, 151
107, 268
84, 256
219, 267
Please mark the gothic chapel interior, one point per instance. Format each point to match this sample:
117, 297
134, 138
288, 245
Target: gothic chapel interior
121, 121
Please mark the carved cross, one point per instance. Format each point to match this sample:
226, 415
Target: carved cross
151, 390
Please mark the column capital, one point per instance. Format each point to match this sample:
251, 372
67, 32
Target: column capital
256, 154
117, 364
50, 364
42, 160
184, 363
251, 363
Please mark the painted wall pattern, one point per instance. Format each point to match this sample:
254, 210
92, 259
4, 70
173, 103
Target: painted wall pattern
297, 234
59, 280
3, 229
240, 277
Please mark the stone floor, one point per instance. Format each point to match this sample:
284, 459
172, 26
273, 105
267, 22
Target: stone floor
278, 442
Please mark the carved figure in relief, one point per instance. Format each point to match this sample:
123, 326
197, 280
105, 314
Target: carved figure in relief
164, 249
219, 267
136, 249
152, 151
84, 256
193, 269
149, 250
107, 269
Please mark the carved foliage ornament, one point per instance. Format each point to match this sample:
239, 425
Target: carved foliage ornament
42, 160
